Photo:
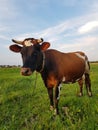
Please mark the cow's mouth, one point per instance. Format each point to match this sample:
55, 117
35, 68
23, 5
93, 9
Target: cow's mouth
26, 71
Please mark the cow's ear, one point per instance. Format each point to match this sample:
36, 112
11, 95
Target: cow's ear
45, 46
15, 48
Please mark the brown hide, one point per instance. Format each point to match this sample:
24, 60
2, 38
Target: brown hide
62, 66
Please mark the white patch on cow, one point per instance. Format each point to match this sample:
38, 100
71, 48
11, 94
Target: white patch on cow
28, 43
64, 79
77, 79
59, 88
83, 78
80, 56
86, 62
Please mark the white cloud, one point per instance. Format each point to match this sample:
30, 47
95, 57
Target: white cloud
4, 37
51, 33
3, 28
85, 44
65, 36
88, 27
7, 10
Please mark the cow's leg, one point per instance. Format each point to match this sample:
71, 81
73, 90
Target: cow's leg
50, 93
88, 84
56, 99
80, 82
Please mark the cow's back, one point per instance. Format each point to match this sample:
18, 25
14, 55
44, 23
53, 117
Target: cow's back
65, 66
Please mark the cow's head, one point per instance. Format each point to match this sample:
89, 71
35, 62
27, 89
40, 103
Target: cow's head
32, 54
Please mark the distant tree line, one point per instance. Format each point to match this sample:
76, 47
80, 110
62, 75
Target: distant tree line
93, 61
18, 66
10, 66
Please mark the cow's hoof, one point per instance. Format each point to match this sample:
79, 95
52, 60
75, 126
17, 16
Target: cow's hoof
56, 112
80, 94
51, 108
90, 94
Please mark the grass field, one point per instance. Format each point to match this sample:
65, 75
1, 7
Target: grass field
24, 106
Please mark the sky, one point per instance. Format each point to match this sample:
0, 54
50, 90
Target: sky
69, 25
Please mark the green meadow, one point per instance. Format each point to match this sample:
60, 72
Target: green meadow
24, 104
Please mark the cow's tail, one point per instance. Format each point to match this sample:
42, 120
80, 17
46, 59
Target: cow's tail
87, 65
87, 77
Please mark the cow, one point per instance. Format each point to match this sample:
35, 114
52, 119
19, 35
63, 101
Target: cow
54, 66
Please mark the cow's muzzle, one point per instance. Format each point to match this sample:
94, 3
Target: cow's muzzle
26, 71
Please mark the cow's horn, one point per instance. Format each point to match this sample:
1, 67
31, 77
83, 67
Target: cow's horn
40, 40
18, 42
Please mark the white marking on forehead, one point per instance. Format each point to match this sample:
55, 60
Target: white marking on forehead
28, 43
79, 55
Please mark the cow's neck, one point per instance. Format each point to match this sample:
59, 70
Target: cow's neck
42, 64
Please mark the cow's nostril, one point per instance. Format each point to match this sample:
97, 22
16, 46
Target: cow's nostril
26, 71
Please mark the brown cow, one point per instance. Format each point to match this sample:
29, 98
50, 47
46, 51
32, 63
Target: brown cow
54, 66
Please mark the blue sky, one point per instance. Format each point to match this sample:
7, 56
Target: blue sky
69, 25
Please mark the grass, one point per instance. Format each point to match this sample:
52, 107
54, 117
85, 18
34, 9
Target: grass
24, 106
